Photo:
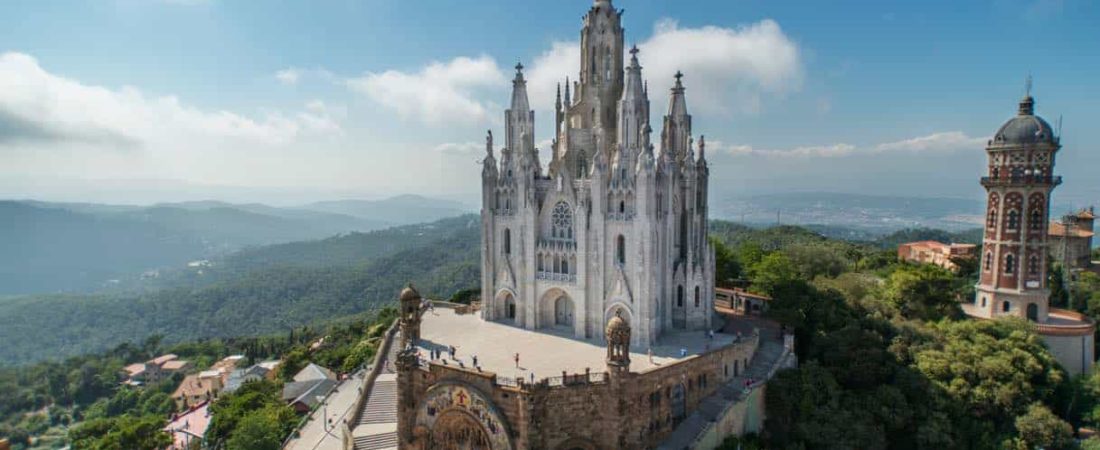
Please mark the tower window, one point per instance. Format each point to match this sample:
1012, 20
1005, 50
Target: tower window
507, 241
696, 296
1010, 264
1033, 265
1006, 306
622, 207
991, 220
988, 261
620, 249
1036, 223
680, 296
1013, 220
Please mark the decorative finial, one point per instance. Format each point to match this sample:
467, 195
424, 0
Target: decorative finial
1027, 86
702, 146
519, 66
634, 50
678, 76
489, 143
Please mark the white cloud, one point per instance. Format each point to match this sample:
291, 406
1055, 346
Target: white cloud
460, 148
727, 70
937, 142
38, 105
944, 142
440, 93
288, 76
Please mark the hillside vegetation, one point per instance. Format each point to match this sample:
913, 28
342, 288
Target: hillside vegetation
261, 291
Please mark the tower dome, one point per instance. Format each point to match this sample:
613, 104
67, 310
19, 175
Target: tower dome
409, 294
1026, 128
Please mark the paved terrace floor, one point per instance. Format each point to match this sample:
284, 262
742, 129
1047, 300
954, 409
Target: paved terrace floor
544, 353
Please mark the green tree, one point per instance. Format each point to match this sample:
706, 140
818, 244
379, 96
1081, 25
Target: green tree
264, 429
123, 432
924, 292
1040, 428
727, 268
772, 272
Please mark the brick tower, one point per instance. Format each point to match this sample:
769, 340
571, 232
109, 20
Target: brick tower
1018, 187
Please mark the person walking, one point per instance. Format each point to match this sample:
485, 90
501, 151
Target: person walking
649, 353
475, 360
517, 360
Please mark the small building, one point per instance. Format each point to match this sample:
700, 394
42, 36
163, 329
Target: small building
197, 388
934, 252
239, 377
189, 427
154, 370
303, 396
1070, 240
314, 372
740, 301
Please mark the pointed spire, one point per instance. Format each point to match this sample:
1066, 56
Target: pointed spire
557, 101
568, 101
489, 144
678, 105
519, 91
702, 149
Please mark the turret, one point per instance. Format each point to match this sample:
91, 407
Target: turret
677, 126
520, 119
618, 344
410, 316
633, 106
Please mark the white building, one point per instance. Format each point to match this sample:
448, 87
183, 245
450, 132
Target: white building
611, 226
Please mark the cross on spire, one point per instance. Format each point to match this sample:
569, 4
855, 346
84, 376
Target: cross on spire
678, 75
634, 50
519, 66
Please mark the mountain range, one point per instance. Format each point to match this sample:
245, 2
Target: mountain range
67, 247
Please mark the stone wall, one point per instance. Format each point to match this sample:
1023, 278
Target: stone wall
587, 411
1074, 352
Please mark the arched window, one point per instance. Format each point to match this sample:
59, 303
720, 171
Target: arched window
622, 206
565, 266
1013, 220
620, 249
696, 296
1033, 265
1006, 306
991, 220
1036, 221
561, 226
996, 172
507, 241
680, 296
1010, 264
988, 261
983, 302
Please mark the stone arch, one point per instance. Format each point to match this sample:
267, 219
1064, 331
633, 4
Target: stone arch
454, 415
556, 308
505, 304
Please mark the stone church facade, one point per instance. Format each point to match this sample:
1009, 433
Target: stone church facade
610, 227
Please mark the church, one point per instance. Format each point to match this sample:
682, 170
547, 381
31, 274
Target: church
611, 226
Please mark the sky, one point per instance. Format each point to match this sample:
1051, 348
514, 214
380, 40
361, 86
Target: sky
283, 102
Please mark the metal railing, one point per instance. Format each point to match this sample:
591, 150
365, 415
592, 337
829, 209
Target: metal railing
1026, 179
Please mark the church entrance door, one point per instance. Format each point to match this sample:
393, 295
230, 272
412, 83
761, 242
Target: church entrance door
563, 311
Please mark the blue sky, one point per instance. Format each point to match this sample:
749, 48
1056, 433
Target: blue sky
285, 101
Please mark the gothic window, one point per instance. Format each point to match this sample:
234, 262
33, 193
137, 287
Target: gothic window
622, 207
1013, 220
561, 222
680, 296
1033, 265
565, 266
1010, 265
988, 261
991, 221
1036, 221
996, 172
507, 241
696, 296
620, 249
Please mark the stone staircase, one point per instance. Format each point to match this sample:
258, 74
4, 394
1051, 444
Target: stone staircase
764, 360
376, 428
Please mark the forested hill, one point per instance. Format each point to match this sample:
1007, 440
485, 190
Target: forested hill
270, 288
259, 291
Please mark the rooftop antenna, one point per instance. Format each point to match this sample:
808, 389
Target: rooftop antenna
1027, 86
1058, 134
